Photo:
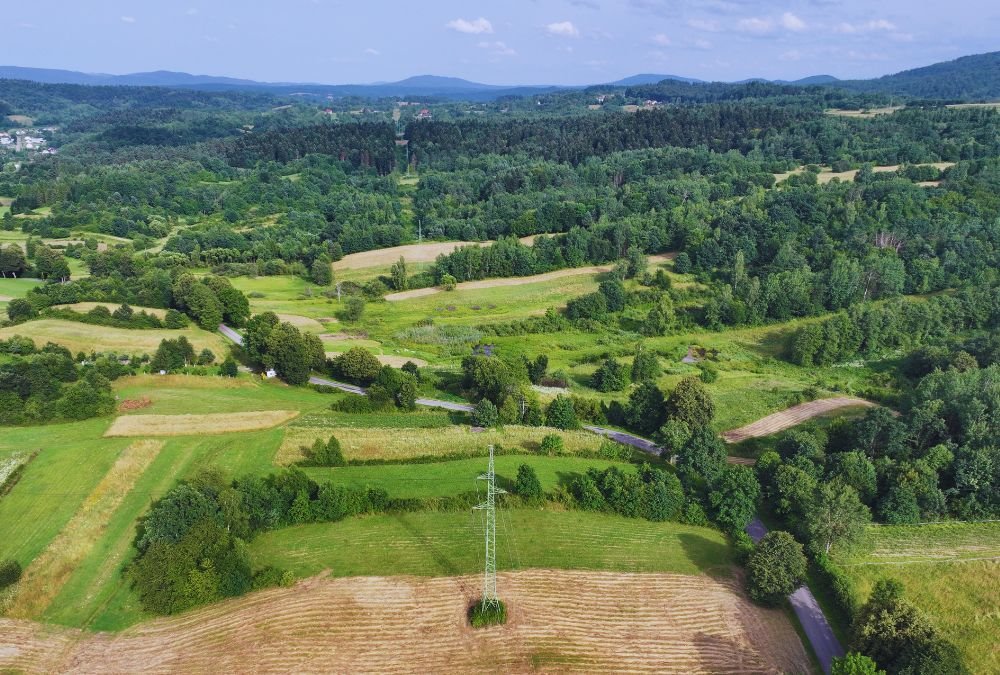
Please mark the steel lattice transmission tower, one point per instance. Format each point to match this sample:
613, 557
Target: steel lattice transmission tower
490, 598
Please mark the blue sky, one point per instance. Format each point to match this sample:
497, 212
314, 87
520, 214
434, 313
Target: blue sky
509, 42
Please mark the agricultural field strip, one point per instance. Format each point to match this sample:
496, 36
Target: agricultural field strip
927, 544
791, 417
670, 622
514, 281
188, 425
48, 572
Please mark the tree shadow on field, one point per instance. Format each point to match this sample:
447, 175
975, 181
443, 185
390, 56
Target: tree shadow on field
564, 479
720, 653
711, 557
428, 545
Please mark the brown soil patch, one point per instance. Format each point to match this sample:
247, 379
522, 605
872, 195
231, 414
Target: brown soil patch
46, 575
790, 417
192, 425
610, 622
135, 404
515, 281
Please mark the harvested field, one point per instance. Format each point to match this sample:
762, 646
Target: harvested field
184, 381
797, 414
191, 425
84, 307
388, 359
612, 622
515, 281
374, 443
84, 337
46, 575
303, 322
865, 113
413, 253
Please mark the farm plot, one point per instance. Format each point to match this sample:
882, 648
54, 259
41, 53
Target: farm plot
405, 443
192, 425
83, 337
951, 571
84, 307
612, 622
791, 417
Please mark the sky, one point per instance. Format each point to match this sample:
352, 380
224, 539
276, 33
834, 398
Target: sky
508, 42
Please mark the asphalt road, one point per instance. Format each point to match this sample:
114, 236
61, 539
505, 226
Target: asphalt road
814, 623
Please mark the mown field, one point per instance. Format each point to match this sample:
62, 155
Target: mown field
83, 337
951, 571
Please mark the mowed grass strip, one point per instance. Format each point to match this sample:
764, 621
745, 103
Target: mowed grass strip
450, 543
188, 425
951, 571
84, 337
46, 575
397, 444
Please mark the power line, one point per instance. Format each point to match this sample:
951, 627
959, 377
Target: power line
490, 598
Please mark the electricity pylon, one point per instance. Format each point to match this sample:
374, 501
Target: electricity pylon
490, 598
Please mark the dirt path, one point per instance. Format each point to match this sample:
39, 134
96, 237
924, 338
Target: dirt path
514, 281
790, 417
46, 576
610, 622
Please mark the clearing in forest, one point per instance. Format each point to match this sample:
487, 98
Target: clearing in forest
791, 417
412, 253
190, 425
46, 575
84, 307
610, 622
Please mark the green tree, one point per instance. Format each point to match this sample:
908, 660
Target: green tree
703, 455
321, 271
20, 309
836, 516
690, 403
610, 376
561, 414
229, 367
645, 365
354, 309
325, 454
397, 273
853, 663
206, 357
290, 354
486, 414
614, 294
645, 411
734, 497
527, 484
775, 568
204, 307
358, 365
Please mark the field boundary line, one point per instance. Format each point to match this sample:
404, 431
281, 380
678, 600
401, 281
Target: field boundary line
47, 574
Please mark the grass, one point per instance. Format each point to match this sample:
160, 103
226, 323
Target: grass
401, 443
46, 575
83, 337
84, 307
443, 479
950, 571
192, 425
190, 394
447, 544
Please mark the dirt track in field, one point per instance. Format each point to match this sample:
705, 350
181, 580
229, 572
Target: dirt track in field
559, 621
514, 281
790, 417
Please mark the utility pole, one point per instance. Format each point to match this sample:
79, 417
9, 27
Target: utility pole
490, 597
420, 230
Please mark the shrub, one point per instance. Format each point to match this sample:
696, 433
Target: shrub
229, 368
448, 282
10, 573
354, 309
482, 615
20, 309
611, 376
775, 568
324, 454
486, 414
552, 444
175, 319
708, 374
356, 365
853, 663
561, 414
645, 366
206, 357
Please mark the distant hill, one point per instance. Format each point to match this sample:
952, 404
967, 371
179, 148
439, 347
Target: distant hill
650, 78
975, 77
815, 79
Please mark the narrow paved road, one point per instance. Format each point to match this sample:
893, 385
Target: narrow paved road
814, 623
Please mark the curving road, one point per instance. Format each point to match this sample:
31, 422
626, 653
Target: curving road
810, 615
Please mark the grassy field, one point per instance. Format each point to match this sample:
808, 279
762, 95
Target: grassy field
192, 425
14, 288
84, 307
950, 571
446, 544
189, 394
83, 337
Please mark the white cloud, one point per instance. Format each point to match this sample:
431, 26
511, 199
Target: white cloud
661, 40
498, 48
128, 19
707, 25
702, 44
476, 26
371, 51
792, 22
866, 27
563, 29
755, 25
